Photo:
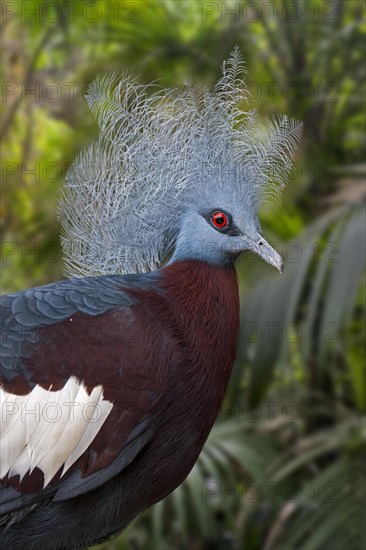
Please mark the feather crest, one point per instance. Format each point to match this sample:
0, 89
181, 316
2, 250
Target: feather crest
157, 151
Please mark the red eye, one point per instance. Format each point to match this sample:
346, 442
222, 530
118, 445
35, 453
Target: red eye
219, 219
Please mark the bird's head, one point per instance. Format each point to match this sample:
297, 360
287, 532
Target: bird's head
175, 173
219, 232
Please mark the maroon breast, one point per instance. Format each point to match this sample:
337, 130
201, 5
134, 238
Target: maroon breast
204, 303
203, 308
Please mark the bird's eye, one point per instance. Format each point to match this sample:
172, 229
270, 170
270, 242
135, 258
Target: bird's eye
219, 220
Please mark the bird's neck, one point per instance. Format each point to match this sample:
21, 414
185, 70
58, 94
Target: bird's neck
205, 302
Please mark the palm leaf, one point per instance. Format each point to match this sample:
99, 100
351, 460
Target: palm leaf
330, 514
298, 298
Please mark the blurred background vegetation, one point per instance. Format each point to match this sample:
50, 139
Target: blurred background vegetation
284, 466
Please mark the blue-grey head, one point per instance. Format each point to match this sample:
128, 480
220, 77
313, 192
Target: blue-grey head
217, 227
176, 174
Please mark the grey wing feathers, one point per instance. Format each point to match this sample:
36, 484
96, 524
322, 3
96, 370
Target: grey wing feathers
22, 313
140, 435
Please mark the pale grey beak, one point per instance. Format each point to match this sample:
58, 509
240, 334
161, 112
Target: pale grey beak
259, 246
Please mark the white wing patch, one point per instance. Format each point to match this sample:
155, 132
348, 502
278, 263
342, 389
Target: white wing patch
49, 429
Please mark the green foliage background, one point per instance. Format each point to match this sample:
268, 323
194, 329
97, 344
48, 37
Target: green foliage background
284, 465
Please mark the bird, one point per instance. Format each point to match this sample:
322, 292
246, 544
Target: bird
112, 378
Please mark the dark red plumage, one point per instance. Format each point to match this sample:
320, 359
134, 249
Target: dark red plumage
164, 360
